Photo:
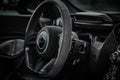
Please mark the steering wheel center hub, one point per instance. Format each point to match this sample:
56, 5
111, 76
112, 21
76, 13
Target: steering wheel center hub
42, 41
48, 41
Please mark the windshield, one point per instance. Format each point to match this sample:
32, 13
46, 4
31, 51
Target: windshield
98, 5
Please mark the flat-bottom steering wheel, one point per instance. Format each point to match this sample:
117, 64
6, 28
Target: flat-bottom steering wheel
47, 45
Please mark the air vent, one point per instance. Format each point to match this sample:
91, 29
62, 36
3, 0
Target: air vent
92, 20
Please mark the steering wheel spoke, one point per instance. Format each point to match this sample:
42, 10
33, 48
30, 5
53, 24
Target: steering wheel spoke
40, 63
48, 66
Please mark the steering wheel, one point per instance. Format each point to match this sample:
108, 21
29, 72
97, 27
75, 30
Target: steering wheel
47, 45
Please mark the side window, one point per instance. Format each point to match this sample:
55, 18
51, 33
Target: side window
8, 4
18, 6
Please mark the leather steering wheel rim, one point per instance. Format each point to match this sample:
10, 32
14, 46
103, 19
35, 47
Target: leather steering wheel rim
65, 44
